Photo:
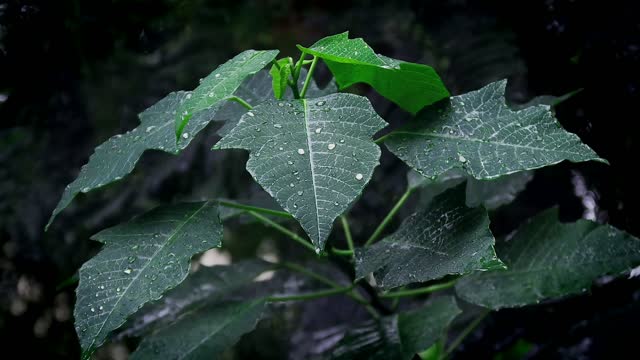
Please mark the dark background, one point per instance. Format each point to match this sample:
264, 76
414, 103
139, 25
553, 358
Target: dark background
73, 73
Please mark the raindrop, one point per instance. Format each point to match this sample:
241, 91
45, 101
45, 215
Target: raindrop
258, 130
188, 96
359, 176
341, 141
251, 114
318, 130
217, 75
277, 126
291, 185
131, 259
336, 203
317, 251
300, 193
185, 135
93, 309
320, 103
331, 146
280, 104
101, 307
118, 289
290, 162
301, 151
128, 271
462, 159
149, 128
280, 148
211, 94
84, 190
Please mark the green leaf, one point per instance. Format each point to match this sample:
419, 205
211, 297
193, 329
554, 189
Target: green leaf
258, 89
141, 260
221, 84
399, 336
445, 238
313, 156
478, 133
280, 74
411, 86
203, 334
206, 286
547, 259
116, 157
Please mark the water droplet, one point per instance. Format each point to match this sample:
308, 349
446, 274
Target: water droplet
131, 259
462, 159
84, 190
341, 141
317, 251
290, 162
318, 130
295, 206
118, 289
301, 151
217, 75
320, 103
93, 309
331, 146
251, 114
277, 126
280, 148
149, 128
291, 185
101, 307
462, 103
185, 135
355, 53
359, 176
288, 104
336, 203
134, 247
127, 271
211, 94
300, 193
280, 104
188, 96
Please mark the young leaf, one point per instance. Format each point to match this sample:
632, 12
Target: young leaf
141, 260
411, 86
399, 336
445, 238
221, 84
478, 133
280, 75
206, 286
313, 156
547, 259
203, 334
116, 157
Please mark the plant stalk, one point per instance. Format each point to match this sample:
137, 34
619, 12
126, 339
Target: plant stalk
389, 216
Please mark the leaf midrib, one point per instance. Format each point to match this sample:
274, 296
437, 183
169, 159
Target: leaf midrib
169, 239
311, 162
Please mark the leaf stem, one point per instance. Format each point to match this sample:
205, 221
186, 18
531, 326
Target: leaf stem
465, 332
389, 216
293, 236
419, 291
381, 139
307, 81
235, 205
311, 295
240, 101
343, 252
347, 232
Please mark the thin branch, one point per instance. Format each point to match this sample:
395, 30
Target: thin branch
389, 216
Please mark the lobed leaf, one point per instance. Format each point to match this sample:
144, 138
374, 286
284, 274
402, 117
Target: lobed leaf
411, 86
141, 260
445, 238
313, 156
547, 259
116, 157
477, 133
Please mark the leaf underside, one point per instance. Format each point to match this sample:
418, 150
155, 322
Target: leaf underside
140, 260
478, 133
399, 336
445, 238
411, 86
314, 156
547, 259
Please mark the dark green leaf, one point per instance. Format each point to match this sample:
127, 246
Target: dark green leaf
399, 336
221, 84
411, 86
140, 261
313, 156
206, 286
547, 259
478, 133
117, 157
203, 334
445, 238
